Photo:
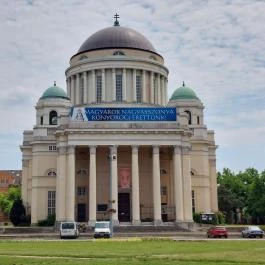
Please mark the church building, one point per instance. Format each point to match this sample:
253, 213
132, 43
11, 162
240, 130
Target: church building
113, 145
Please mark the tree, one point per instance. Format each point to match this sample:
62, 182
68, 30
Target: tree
17, 213
7, 198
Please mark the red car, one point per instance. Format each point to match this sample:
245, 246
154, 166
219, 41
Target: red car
217, 231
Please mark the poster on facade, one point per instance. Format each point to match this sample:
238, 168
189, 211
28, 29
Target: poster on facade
124, 178
123, 114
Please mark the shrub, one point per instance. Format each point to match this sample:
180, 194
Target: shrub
197, 217
49, 221
17, 213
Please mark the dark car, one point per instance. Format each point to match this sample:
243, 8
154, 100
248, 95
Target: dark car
252, 231
217, 231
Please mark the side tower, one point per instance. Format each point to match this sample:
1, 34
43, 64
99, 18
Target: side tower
39, 154
203, 157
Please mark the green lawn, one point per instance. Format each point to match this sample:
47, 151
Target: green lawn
132, 251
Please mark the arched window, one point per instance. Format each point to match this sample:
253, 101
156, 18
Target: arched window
152, 58
53, 118
41, 120
51, 172
83, 57
198, 119
118, 53
189, 116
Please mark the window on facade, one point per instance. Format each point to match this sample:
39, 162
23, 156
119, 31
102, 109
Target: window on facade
51, 173
81, 191
82, 172
198, 119
41, 120
152, 57
83, 57
193, 200
163, 171
118, 53
52, 148
138, 88
189, 116
118, 87
99, 88
51, 202
164, 190
53, 118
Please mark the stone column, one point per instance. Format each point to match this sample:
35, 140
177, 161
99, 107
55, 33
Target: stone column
178, 186
124, 89
114, 183
158, 89
93, 87
61, 184
152, 92
72, 90
166, 95
213, 183
34, 191
24, 180
103, 85
135, 187
92, 186
68, 84
113, 84
156, 186
163, 101
77, 89
134, 85
70, 184
186, 184
143, 86
85, 88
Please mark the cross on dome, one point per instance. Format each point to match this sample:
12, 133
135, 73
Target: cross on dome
116, 22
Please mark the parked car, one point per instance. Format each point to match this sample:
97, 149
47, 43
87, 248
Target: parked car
69, 230
102, 229
217, 231
252, 231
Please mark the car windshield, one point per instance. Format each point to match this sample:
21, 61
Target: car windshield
68, 226
102, 225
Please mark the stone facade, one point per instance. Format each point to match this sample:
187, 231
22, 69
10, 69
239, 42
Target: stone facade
136, 170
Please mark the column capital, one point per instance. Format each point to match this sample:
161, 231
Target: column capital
155, 149
177, 149
71, 149
62, 150
186, 150
135, 149
92, 149
113, 149
113, 70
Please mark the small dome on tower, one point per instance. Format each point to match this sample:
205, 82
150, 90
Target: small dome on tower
183, 92
54, 92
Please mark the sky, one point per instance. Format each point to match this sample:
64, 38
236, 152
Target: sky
216, 46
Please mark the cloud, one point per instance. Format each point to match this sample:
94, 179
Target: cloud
216, 47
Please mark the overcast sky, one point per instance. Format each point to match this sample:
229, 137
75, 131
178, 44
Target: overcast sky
217, 47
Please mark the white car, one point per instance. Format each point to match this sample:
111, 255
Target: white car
252, 231
102, 229
69, 230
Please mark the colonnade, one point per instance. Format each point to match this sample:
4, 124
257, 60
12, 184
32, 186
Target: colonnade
65, 186
151, 86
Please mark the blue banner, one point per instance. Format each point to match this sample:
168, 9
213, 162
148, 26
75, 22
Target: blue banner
123, 114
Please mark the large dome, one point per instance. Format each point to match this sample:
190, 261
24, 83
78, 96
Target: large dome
117, 37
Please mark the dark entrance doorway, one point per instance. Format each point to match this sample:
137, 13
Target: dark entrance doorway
124, 207
81, 212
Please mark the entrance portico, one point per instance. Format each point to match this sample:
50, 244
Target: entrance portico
136, 181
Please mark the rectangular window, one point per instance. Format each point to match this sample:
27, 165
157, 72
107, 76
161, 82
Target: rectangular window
99, 88
163, 190
119, 87
102, 207
81, 191
51, 202
52, 148
193, 200
138, 88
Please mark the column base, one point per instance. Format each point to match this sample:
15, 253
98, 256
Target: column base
157, 222
136, 222
187, 225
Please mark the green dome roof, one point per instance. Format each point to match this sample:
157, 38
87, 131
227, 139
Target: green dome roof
54, 92
183, 93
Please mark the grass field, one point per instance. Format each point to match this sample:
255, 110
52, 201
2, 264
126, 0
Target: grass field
132, 251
